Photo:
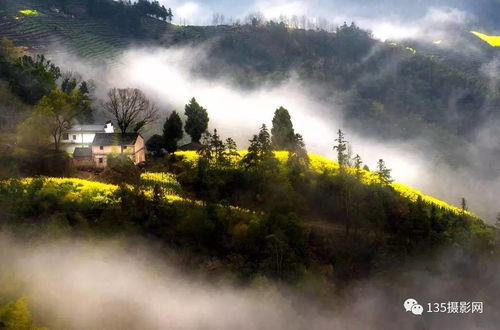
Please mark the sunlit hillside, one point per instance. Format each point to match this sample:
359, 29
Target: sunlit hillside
321, 164
79, 191
491, 40
85, 192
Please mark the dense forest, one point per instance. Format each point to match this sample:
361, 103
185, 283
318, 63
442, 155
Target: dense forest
273, 213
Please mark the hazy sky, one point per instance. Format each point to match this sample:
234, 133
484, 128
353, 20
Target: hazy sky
381, 16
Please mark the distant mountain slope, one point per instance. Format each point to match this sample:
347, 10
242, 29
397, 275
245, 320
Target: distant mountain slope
48, 27
415, 88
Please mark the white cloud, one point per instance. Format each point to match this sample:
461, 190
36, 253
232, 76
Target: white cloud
432, 26
274, 9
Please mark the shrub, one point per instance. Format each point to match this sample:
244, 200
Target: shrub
166, 181
121, 170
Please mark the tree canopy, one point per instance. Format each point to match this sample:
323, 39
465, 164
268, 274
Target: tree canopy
172, 131
61, 109
282, 132
197, 120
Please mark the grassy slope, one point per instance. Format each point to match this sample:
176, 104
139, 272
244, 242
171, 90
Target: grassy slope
321, 164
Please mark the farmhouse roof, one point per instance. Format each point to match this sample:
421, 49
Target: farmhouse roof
82, 152
87, 128
114, 139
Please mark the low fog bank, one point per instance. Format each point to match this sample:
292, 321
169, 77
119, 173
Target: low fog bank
110, 285
166, 75
104, 285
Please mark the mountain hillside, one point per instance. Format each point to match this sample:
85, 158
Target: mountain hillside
391, 90
42, 25
194, 206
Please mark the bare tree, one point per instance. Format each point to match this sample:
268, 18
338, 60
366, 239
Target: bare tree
218, 19
255, 18
131, 109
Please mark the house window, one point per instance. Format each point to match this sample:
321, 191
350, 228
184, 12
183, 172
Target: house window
101, 148
74, 137
65, 136
101, 160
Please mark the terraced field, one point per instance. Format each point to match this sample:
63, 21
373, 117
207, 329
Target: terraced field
39, 28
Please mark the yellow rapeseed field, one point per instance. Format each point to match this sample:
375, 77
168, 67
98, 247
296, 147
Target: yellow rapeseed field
85, 190
493, 41
29, 12
321, 164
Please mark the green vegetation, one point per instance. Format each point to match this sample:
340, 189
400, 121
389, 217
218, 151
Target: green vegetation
283, 134
38, 104
172, 132
387, 91
95, 39
259, 212
273, 211
197, 120
233, 211
16, 315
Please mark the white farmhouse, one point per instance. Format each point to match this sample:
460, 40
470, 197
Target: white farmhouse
79, 136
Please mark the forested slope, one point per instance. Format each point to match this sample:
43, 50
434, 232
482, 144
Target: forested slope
397, 90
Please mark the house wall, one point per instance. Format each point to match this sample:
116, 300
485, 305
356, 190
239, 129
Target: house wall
83, 162
140, 154
79, 138
98, 154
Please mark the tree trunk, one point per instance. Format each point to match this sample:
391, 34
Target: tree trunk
56, 143
347, 209
121, 142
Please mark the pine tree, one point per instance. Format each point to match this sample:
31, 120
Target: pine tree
231, 149
264, 141
197, 120
464, 206
252, 156
218, 147
341, 148
214, 149
357, 166
205, 151
283, 134
172, 132
260, 149
383, 173
298, 156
